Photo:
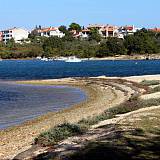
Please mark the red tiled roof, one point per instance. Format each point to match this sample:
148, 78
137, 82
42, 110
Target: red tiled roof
155, 29
86, 30
48, 29
130, 28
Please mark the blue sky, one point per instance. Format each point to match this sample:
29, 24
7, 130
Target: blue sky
28, 13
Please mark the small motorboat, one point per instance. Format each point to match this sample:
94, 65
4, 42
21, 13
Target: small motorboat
73, 59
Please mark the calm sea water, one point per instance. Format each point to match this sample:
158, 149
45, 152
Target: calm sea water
19, 103
32, 69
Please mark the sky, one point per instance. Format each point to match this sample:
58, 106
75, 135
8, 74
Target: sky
29, 13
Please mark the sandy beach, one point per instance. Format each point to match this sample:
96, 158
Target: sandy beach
103, 93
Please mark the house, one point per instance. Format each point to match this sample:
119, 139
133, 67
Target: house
99, 27
85, 33
75, 34
109, 31
18, 34
128, 30
155, 30
48, 32
104, 30
1, 36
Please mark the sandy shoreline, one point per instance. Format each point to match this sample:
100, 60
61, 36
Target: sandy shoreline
102, 94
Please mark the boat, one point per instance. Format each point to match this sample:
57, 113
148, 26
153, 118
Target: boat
44, 59
60, 58
38, 58
73, 59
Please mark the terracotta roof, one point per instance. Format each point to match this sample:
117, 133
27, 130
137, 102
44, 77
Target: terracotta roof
86, 30
48, 29
155, 29
130, 28
109, 28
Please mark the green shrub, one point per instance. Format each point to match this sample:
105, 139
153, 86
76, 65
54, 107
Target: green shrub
149, 83
66, 130
123, 108
155, 89
59, 133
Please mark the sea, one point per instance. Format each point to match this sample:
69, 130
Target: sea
20, 103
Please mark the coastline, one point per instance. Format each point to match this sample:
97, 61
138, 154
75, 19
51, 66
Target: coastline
116, 57
20, 138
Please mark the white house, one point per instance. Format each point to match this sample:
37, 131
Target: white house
51, 31
85, 33
18, 34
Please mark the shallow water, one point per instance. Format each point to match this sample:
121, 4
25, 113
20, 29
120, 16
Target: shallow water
19, 103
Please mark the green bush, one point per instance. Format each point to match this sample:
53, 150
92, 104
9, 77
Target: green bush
155, 89
59, 133
149, 83
129, 106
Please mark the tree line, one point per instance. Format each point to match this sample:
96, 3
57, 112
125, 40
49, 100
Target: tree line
141, 42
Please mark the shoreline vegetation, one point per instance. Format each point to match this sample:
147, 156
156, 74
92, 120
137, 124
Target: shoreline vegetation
142, 43
110, 103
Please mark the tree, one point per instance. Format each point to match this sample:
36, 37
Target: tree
68, 37
52, 46
11, 44
103, 51
63, 29
75, 26
115, 45
94, 35
141, 42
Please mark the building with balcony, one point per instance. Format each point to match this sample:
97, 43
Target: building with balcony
104, 30
109, 31
18, 34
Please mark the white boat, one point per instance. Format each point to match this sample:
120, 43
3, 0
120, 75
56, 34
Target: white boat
44, 59
73, 59
61, 58
39, 58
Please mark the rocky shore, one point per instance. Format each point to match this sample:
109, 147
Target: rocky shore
103, 93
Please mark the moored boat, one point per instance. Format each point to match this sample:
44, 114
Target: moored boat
73, 59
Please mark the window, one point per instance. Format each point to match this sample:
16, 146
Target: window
6, 32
